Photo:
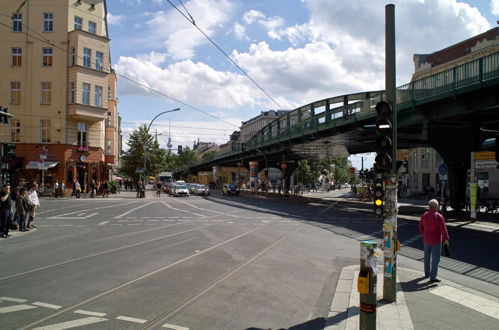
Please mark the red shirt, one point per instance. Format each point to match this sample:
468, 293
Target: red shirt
432, 227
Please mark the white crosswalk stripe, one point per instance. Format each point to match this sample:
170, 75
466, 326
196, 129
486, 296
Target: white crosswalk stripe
72, 324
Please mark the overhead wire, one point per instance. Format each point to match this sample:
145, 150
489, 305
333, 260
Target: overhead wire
45, 40
224, 53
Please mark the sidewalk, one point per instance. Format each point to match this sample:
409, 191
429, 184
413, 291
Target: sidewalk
431, 304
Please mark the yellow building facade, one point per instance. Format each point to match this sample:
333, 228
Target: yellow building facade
58, 84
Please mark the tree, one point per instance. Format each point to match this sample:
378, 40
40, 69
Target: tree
141, 145
185, 160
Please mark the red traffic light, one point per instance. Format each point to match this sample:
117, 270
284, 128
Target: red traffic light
384, 109
383, 162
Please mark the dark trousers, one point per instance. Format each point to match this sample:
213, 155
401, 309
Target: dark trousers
5, 219
22, 222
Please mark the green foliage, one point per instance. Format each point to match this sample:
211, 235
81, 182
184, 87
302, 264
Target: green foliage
140, 145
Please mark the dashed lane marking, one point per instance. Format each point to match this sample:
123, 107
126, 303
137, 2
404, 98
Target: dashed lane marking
131, 319
17, 300
80, 311
42, 304
102, 223
72, 324
132, 210
173, 327
15, 308
479, 304
78, 217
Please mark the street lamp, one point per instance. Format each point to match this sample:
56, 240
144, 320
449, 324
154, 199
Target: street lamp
148, 127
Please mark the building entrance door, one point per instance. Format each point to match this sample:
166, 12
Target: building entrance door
81, 176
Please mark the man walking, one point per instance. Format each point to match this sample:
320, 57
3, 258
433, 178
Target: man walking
432, 227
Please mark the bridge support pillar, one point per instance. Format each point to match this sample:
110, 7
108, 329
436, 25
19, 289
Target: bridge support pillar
455, 146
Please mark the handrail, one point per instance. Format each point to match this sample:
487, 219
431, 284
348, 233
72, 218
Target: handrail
321, 114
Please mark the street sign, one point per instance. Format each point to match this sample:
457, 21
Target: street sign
485, 155
139, 170
486, 164
443, 169
351, 170
284, 165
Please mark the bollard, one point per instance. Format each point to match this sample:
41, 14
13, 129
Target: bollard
366, 284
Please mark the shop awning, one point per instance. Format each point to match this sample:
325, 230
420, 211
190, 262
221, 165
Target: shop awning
33, 165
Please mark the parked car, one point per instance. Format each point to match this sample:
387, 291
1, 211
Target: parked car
201, 190
192, 188
230, 190
180, 190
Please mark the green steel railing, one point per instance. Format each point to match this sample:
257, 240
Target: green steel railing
344, 109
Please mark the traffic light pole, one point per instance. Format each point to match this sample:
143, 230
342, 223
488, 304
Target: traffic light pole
390, 215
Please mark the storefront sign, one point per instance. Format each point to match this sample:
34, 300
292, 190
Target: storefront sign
484, 155
483, 164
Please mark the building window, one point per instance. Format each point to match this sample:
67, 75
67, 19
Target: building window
98, 96
46, 56
92, 27
72, 59
15, 92
425, 158
15, 130
99, 59
46, 93
17, 22
72, 92
17, 56
109, 93
48, 22
78, 22
87, 57
45, 130
85, 94
82, 135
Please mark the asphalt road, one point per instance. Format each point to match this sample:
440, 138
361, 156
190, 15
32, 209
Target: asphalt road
199, 263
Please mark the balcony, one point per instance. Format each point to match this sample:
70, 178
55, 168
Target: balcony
86, 113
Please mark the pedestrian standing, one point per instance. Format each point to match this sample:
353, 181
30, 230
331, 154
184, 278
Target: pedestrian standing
34, 203
56, 189
77, 189
5, 211
22, 208
432, 227
73, 193
63, 189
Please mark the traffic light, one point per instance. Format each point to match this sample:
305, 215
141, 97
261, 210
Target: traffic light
179, 151
243, 146
9, 150
4, 115
384, 144
379, 194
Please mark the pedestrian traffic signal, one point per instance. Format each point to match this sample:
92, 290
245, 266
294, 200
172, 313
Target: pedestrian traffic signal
9, 150
379, 194
384, 143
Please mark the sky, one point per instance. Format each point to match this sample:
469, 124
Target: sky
297, 52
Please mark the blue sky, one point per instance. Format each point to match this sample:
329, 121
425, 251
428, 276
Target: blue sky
297, 51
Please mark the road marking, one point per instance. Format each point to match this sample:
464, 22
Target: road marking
479, 304
103, 223
56, 217
80, 311
174, 208
173, 327
42, 304
17, 300
15, 308
132, 210
131, 319
71, 324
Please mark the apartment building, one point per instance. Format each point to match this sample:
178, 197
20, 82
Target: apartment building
57, 82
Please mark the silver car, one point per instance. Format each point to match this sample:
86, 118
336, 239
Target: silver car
180, 190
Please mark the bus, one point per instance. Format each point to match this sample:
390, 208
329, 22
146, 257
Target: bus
165, 177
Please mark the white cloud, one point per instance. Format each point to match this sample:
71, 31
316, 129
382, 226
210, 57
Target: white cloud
179, 37
494, 7
115, 19
251, 16
339, 50
240, 31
